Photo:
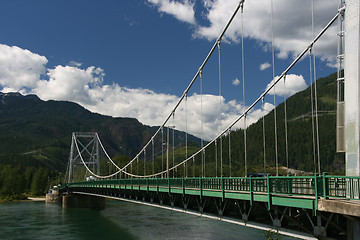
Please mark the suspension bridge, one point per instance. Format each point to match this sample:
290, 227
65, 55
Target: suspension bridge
318, 204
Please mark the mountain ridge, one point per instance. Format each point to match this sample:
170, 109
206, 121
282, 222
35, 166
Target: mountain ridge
30, 124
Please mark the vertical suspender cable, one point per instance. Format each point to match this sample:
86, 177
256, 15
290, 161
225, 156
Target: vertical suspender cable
167, 152
286, 128
221, 157
131, 169
162, 150
202, 130
137, 166
216, 157
144, 161
186, 137
229, 153
316, 104
264, 143
203, 154
312, 110
173, 143
193, 166
153, 156
273, 65
243, 80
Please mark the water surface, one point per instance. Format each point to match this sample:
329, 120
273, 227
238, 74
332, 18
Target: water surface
120, 220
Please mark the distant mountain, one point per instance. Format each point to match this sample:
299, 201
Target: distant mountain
34, 132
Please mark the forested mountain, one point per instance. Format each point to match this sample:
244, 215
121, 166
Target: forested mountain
300, 135
39, 131
35, 138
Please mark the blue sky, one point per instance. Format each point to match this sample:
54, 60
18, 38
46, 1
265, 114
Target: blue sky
134, 58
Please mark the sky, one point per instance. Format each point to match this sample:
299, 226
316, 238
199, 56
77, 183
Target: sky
135, 58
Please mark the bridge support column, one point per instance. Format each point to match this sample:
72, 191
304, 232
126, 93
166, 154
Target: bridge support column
201, 204
172, 199
353, 230
220, 207
319, 230
185, 201
352, 87
82, 201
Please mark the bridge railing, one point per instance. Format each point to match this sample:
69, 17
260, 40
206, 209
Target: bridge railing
342, 187
324, 186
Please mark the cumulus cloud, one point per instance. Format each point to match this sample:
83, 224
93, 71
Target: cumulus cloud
182, 10
292, 25
293, 84
69, 83
264, 66
20, 69
236, 82
85, 86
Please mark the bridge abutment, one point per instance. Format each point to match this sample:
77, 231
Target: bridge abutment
72, 200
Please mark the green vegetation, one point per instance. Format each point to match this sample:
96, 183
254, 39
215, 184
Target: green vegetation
300, 139
36, 135
18, 183
270, 235
300, 143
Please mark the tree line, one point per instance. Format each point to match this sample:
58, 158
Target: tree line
18, 182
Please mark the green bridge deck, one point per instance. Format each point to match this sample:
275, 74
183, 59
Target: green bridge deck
289, 191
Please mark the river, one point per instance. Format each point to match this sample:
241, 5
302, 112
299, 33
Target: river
120, 220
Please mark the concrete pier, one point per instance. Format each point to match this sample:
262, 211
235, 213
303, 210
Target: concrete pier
52, 198
72, 200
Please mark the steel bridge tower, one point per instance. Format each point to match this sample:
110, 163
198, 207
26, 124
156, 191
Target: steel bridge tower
84, 151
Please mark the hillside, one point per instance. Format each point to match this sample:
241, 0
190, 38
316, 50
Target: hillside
299, 135
38, 133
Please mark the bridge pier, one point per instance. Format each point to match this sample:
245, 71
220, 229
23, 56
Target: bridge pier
201, 204
185, 201
353, 229
72, 200
220, 207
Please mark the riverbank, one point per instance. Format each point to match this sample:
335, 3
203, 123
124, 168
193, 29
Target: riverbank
37, 199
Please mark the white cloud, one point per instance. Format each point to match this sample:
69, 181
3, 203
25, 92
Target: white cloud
264, 66
69, 83
85, 86
20, 68
236, 82
293, 84
182, 10
75, 64
292, 24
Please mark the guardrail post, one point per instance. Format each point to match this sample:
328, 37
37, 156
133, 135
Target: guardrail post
201, 191
325, 187
147, 183
222, 189
251, 193
183, 186
169, 190
157, 185
316, 194
268, 191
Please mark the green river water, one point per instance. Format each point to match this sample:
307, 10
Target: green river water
120, 220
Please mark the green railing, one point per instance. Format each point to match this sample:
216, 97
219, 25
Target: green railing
324, 186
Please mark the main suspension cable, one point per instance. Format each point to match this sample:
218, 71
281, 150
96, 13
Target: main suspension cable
241, 116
